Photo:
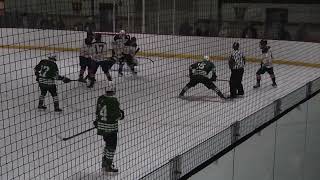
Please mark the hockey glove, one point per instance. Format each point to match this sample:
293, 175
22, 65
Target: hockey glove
122, 114
66, 80
214, 78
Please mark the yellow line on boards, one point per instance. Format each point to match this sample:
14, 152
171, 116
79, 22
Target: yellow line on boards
167, 55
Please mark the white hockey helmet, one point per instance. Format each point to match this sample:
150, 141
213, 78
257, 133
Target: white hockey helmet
206, 57
122, 32
111, 89
52, 57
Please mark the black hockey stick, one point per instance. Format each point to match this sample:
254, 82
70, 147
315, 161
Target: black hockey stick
222, 80
73, 136
216, 79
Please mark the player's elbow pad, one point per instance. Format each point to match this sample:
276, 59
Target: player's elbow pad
36, 73
122, 114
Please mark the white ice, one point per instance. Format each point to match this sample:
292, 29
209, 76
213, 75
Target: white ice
157, 126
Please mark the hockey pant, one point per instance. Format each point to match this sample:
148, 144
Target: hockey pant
105, 65
263, 70
129, 60
84, 64
44, 88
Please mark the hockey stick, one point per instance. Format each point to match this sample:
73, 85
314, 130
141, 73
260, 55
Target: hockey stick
75, 135
222, 80
216, 79
139, 57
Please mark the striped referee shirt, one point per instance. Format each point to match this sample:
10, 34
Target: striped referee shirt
237, 60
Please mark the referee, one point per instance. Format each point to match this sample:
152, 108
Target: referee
236, 65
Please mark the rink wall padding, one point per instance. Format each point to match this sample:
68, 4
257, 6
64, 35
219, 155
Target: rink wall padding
167, 46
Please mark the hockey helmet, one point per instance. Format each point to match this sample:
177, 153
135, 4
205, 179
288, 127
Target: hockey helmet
235, 45
206, 58
122, 32
52, 57
263, 42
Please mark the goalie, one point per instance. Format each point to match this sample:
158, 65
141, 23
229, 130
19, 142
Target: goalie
202, 72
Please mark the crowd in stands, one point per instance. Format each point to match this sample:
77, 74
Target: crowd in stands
202, 27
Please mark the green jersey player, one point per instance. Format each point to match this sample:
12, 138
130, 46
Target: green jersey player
108, 113
202, 72
46, 73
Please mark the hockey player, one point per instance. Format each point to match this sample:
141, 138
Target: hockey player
122, 37
236, 65
266, 64
108, 113
46, 73
85, 57
202, 72
101, 57
129, 54
118, 48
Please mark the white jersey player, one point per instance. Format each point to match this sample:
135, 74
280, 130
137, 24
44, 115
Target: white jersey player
266, 64
101, 57
118, 46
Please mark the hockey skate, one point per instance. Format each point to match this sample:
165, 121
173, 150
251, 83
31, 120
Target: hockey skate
111, 169
57, 110
56, 107
231, 97
81, 79
43, 107
256, 86
109, 77
274, 85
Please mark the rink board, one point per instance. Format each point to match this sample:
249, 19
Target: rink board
157, 127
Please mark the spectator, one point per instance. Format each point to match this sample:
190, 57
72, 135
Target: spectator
249, 32
60, 23
202, 29
301, 32
25, 20
90, 25
284, 33
185, 29
225, 30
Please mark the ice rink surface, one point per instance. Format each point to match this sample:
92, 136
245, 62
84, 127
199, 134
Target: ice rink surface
157, 126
